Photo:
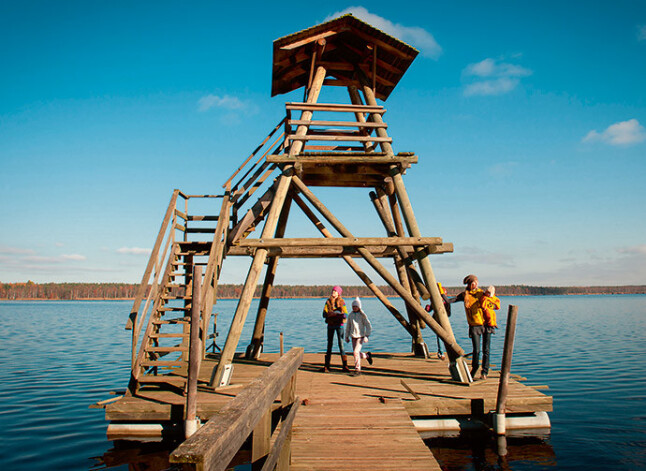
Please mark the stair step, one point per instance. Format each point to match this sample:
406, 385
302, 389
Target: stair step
162, 379
166, 336
177, 264
171, 309
162, 363
200, 230
193, 242
179, 320
197, 253
171, 285
202, 218
166, 349
170, 298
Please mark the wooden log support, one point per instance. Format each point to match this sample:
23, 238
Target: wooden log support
257, 338
505, 370
195, 356
411, 222
214, 445
385, 274
260, 256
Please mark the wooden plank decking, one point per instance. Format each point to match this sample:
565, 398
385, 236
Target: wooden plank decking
363, 420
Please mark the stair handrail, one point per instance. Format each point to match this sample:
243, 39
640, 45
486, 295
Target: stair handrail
210, 448
211, 275
227, 184
143, 286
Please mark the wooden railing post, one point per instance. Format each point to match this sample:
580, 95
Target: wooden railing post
505, 369
195, 357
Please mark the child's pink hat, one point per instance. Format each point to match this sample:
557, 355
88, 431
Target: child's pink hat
338, 289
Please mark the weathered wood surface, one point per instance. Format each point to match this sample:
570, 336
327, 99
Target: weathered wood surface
344, 159
339, 241
216, 443
364, 434
428, 378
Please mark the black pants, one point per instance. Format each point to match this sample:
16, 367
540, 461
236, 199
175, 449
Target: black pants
475, 360
331, 330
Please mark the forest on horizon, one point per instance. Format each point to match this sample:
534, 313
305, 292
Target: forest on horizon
80, 291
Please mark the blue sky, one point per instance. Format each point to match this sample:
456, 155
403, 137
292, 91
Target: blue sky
528, 119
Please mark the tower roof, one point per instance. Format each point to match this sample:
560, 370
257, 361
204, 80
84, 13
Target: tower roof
349, 42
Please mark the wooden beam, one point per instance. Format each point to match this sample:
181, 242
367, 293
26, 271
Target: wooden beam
331, 159
340, 241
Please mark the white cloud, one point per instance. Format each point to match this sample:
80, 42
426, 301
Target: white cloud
214, 101
493, 77
15, 250
134, 251
635, 249
491, 87
73, 256
641, 33
623, 133
416, 36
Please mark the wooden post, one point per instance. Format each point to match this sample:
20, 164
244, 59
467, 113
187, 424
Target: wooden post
261, 254
409, 217
195, 356
257, 339
505, 369
281, 344
419, 347
261, 437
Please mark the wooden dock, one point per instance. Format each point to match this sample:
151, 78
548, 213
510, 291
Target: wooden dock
365, 420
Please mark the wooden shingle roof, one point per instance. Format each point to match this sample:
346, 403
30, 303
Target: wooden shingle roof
349, 42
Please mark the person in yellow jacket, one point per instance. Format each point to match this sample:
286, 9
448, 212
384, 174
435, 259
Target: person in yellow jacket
472, 297
490, 304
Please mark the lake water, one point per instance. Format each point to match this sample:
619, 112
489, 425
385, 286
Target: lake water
59, 357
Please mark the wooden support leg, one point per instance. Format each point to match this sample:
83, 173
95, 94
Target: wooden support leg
409, 218
269, 228
254, 348
250, 283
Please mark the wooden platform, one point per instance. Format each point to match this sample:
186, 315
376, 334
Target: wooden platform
362, 422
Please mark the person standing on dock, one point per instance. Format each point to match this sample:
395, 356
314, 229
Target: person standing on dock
358, 329
490, 304
335, 314
472, 297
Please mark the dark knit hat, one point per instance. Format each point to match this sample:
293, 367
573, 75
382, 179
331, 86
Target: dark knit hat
469, 279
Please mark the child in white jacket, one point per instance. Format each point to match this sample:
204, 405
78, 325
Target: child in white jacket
358, 328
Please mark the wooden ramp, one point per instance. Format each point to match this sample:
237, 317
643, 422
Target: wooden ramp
364, 434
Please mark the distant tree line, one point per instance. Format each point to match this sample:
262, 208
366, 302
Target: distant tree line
31, 290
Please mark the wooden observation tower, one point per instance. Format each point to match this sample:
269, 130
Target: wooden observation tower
316, 144
321, 145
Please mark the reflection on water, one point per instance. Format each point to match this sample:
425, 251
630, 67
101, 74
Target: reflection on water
60, 357
483, 451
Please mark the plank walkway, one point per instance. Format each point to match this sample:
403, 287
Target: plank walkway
349, 422
333, 434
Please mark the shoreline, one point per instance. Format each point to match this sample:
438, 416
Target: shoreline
317, 297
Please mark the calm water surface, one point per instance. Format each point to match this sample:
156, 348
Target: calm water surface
59, 357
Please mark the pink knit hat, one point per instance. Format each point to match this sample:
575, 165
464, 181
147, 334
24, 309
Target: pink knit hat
338, 289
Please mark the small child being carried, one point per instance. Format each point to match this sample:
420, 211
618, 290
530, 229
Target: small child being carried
358, 328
